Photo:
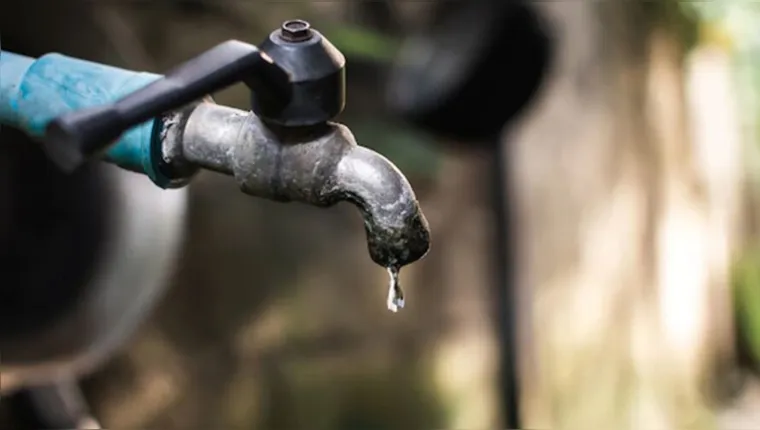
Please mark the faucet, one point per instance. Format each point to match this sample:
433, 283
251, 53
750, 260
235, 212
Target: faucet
319, 165
287, 148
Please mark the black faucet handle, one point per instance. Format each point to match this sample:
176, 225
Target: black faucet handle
73, 138
318, 74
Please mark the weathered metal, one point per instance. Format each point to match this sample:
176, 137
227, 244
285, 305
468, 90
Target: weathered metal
319, 166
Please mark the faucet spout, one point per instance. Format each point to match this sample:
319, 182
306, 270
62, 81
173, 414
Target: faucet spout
397, 231
321, 166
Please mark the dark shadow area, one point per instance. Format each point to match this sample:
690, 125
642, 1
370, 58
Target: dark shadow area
58, 230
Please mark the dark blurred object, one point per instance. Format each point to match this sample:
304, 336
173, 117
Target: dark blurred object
56, 406
18, 413
378, 15
46, 212
472, 71
208, 9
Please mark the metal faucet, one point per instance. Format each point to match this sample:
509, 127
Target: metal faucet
286, 149
320, 166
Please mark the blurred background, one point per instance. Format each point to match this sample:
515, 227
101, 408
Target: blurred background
594, 261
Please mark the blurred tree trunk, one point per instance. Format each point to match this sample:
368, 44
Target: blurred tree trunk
624, 241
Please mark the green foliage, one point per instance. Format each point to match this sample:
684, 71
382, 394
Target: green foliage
414, 152
342, 395
738, 22
358, 42
746, 288
674, 15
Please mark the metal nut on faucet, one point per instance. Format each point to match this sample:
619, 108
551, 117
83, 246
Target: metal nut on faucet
296, 30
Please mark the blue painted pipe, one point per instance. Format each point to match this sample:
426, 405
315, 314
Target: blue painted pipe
35, 91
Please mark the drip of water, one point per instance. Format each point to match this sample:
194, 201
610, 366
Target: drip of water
395, 293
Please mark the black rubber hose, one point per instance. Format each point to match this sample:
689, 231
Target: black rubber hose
504, 286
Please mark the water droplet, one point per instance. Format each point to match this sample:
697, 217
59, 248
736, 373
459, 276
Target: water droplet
395, 293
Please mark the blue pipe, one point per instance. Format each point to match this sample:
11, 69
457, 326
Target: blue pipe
35, 91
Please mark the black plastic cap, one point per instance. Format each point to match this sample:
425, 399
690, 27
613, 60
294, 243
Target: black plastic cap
317, 72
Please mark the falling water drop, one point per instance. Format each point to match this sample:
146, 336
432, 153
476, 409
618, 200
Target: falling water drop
395, 293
